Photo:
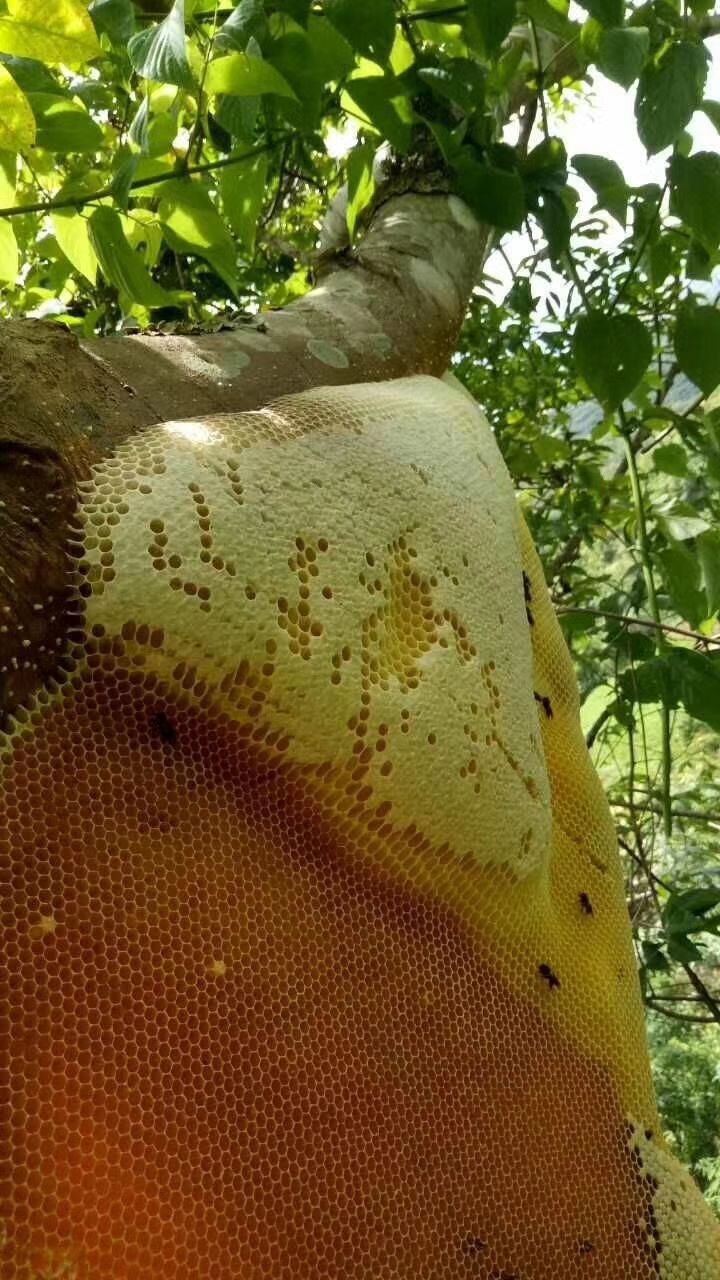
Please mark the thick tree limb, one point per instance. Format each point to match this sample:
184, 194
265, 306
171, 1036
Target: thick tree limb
391, 307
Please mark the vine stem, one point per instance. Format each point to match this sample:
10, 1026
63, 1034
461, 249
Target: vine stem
638, 622
79, 202
650, 229
660, 642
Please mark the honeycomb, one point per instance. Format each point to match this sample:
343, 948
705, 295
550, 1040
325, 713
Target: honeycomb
316, 958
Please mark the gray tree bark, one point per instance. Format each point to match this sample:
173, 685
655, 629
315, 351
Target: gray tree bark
390, 307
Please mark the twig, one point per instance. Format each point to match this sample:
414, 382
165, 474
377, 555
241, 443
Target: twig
638, 622
539, 75
594, 730
660, 642
678, 1017
707, 998
79, 201
437, 15
691, 815
640, 251
526, 125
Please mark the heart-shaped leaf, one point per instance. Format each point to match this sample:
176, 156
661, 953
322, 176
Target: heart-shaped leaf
612, 354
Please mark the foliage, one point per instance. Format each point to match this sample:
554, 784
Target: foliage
167, 162
686, 1064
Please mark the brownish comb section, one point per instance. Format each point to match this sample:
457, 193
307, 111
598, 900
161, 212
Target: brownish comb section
235, 1052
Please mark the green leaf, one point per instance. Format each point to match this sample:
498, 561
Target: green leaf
496, 196
332, 54
186, 208
245, 76
546, 165
120, 264
72, 234
361, 183
461, 81
611, 354
160, 52
551, 17
298, 9
623, 54
9, 259
653, 956
712, 111
699, 263
237, 115
49, 31
247, 19
17, 122
293, 58
682, 678
64, 125
680, 527
606, 179
160, 134
708, 550
608, 12
242, 190
695, 194
367, 25
552, 214
495, 19
193, 225
670, 90
671, 459
683, 950
8, 179
686, 913
113, 18
383, 101
697, 345
681, 577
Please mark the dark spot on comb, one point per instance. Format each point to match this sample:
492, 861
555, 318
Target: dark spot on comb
551, 978
164, 728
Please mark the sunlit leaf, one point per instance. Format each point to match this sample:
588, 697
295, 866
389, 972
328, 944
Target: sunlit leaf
361, 183
160, 51
120, 264
17, 122
612, 353
63, 124
385, 105
242, 75
73, 235
242, 189
49, 31
193, 224
9, 258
